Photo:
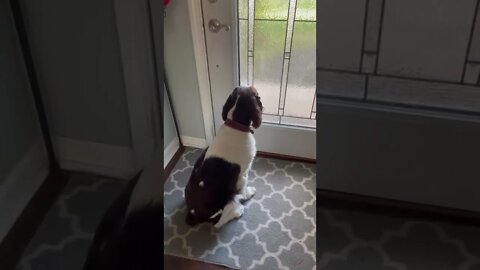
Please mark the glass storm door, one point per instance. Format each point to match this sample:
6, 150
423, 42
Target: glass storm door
271, 45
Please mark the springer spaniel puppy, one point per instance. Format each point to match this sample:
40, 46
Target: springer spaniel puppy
218, 184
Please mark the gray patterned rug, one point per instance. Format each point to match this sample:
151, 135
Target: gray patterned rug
347, 239
277, 230
360, 240
62, 240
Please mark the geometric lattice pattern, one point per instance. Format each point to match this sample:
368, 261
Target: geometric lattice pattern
360, 240
63, 239
277, 230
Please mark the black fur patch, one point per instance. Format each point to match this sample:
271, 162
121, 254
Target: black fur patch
219, 187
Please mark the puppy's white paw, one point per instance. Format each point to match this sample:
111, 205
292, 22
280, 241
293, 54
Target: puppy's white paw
249, 192
217, 226
231, 211
239, 210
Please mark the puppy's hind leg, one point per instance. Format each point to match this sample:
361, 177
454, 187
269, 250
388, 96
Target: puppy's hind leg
234, 209
246, 192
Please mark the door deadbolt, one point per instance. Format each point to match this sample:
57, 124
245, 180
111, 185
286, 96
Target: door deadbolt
215, 26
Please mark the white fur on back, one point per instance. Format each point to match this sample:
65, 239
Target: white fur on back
233, 146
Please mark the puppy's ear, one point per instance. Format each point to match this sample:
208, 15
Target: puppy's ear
229, 104
257, 112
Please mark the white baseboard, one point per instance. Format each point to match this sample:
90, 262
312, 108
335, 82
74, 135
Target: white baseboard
194, 142
98, 158
170, 151
21, 184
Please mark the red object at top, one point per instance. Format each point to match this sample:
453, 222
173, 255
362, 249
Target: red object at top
166, 2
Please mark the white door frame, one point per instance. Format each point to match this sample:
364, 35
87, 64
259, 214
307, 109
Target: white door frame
201, 62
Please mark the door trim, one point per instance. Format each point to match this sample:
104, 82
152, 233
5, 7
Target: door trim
201, 64
285, 157
17, 17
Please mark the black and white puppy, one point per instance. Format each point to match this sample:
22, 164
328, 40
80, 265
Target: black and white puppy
218, 184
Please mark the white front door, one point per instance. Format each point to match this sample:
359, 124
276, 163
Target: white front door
270, 45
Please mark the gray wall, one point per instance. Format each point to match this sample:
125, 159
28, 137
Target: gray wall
18, 121
168, 124
181, 71
77, 56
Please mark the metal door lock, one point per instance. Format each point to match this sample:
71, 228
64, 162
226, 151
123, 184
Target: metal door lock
215, 26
